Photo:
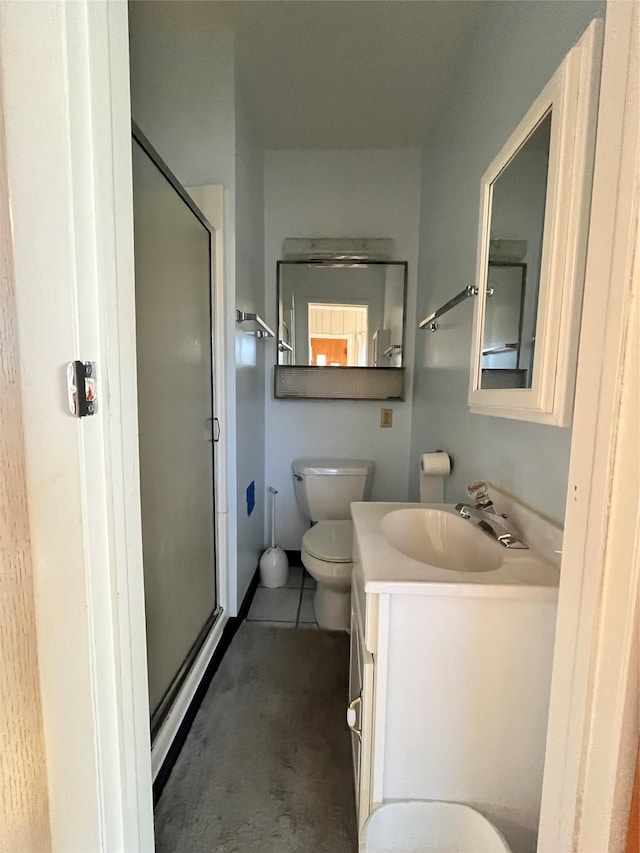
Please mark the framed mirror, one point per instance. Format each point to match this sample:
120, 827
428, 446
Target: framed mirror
341, 313
532, 248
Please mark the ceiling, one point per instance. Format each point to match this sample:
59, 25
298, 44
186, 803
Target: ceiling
348, 73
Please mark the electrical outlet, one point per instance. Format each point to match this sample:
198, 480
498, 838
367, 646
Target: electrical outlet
386, 417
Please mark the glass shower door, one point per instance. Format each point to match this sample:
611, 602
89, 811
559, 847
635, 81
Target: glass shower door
175, 398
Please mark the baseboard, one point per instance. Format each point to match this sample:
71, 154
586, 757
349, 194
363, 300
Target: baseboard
294, 557
230, 629
248, 598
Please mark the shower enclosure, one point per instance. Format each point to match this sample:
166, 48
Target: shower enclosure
173, 253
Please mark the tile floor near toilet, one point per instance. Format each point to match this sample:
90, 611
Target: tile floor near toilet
286, 607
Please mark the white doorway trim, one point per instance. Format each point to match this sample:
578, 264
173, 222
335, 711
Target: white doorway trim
68, 133
210, 200
593, 723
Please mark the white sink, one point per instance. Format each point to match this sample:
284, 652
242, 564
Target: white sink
428, 549
440, 538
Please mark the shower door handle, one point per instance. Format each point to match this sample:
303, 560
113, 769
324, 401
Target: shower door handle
213, 430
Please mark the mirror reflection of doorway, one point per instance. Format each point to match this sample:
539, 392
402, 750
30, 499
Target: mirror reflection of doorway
338, 334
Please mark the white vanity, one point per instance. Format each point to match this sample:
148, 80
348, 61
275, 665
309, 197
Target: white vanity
450, 667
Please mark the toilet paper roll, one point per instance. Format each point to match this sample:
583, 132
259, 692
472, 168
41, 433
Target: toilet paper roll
434, 467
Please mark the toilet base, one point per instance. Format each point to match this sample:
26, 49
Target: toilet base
332, 608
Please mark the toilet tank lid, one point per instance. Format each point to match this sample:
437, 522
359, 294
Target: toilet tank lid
347, 467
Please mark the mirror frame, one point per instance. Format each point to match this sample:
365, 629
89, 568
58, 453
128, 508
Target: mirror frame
571, 95
347, 262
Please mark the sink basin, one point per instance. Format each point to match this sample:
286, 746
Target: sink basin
442, 539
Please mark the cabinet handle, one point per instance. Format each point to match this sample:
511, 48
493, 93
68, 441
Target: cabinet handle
352, 717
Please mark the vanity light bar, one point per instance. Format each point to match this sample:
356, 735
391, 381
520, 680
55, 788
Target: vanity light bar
338, 248
431, 320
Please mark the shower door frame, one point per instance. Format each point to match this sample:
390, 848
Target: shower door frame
159, 716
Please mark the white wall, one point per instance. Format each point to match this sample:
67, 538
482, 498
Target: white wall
183, 89
508, 64
362, 193
251, 353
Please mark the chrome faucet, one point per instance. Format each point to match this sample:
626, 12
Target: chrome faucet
488, 517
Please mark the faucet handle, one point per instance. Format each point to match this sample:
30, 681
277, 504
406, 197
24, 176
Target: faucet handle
478, 491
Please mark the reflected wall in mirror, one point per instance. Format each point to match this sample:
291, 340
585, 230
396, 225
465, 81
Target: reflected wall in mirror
532, 237
341, 314
506, 355
517, 221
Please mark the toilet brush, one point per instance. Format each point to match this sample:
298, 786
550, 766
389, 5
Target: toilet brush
274, 565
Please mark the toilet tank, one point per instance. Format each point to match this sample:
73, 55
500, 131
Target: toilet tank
325, 488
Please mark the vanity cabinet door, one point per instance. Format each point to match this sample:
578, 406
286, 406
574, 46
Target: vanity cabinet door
354, 709
359, 716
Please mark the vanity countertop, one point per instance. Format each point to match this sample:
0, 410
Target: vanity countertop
384, 569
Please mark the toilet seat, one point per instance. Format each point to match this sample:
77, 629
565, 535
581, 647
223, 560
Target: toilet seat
331, 541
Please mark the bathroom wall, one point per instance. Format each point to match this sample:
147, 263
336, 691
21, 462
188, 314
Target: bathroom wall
186, 99
183, 88
338, 193
251, 353
512, 57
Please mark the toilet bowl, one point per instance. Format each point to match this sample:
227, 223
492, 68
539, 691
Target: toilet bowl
324, 491
429, 826
326, 555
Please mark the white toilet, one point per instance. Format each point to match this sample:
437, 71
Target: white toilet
324, 491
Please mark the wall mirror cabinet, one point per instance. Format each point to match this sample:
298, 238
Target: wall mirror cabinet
531, 250
340, 314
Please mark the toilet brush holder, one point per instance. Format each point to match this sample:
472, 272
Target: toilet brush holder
274, 568
274, 564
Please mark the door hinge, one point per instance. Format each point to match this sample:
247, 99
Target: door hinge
81, 388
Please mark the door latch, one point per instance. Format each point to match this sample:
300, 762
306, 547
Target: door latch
81, 388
